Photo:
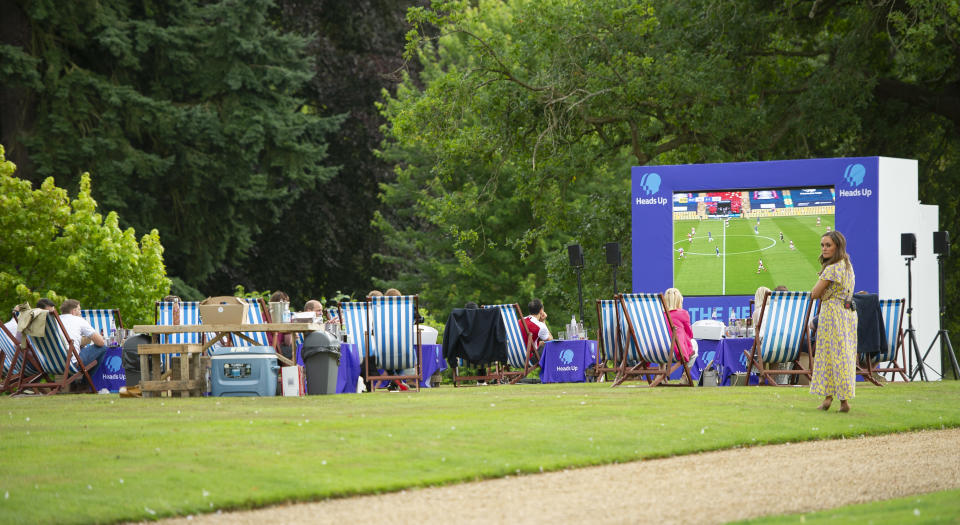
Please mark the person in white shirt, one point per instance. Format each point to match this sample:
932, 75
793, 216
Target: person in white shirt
77, 328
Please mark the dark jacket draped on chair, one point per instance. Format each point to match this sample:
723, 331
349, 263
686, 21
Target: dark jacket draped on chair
871, 338
476, 335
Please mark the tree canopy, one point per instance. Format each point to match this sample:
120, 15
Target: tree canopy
61, 248
187, 112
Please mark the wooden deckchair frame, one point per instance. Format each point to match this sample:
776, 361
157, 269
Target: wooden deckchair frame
23, 353
655, 376
530, 346
417, 352
67, 377
897, 349
605, 354
754, 357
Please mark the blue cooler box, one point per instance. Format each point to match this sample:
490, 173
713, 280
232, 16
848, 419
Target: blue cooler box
243, 371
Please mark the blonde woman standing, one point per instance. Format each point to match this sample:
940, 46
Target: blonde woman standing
834, 366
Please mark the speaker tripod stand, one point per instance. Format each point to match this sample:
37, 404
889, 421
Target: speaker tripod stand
910, 335
943, 335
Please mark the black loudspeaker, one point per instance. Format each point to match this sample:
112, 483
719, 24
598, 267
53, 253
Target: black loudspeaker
941, 243
613, 253
908, 245
575, 251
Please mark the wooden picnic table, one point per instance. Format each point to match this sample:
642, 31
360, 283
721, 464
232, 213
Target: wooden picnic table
223, 329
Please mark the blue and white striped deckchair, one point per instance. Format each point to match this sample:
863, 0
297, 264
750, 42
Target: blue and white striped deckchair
781, 334
610, 336
353, 318
189, 315
57, 356
892, 312
13, 358
255, 315
518, 349
653, 337
393, 337
104, 321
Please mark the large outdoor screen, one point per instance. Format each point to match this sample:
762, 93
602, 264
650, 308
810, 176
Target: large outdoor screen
729, 242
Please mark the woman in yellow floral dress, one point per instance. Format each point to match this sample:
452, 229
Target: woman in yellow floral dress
834, 366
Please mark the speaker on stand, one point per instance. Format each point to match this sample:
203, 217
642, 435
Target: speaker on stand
941, 247
575, 252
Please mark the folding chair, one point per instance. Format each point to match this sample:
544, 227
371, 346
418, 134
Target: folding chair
57, 356
522, 350
892, 311
609, 336
256, 314
104, 321
393, 337
781, 332
13, 357
652, 339
189, 315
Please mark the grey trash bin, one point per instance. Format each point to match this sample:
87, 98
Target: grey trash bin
321, 357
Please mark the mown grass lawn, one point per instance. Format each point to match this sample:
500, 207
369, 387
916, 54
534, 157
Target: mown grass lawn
86, 458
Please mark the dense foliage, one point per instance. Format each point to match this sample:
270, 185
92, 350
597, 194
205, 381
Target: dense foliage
188, 113
60, 248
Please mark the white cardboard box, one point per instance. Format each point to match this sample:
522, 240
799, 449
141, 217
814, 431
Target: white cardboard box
708, 329
293, 382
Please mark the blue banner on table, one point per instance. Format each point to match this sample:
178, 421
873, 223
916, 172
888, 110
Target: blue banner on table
566, 361
109, 373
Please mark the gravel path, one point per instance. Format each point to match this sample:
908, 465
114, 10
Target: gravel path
714, 487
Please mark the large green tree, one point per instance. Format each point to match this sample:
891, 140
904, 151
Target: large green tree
187, 112
61, 248
555, 98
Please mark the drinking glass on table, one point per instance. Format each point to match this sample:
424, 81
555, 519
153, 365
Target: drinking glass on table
561, 335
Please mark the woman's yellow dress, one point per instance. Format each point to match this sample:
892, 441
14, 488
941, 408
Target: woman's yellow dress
834, 367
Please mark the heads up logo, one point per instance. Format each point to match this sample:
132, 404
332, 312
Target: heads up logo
566, 356
853, 174
113, 363
650, 184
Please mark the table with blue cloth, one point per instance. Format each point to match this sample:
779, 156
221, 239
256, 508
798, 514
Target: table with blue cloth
727, 356
109, 373
567, 361
431, 359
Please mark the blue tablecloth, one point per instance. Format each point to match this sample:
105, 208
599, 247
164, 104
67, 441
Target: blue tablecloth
432, 361
109, 373
566, 361
727, 356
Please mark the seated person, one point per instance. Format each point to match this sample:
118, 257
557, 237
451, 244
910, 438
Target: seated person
680, 319
77, 328
758, 297
314, 306
534, 324
392, 292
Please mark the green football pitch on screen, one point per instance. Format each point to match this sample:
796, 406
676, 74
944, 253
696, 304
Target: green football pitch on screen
720, 259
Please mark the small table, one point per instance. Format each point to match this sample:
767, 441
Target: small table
567, 361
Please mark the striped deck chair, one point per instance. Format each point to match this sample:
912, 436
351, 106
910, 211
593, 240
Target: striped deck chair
353, 319
781, 335
256, 314
104, 321
653, 340
393, 338
189, 315
522, 352
56, 352
609, 336
12, 357
892, 311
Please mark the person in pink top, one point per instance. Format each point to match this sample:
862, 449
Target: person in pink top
680, 318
